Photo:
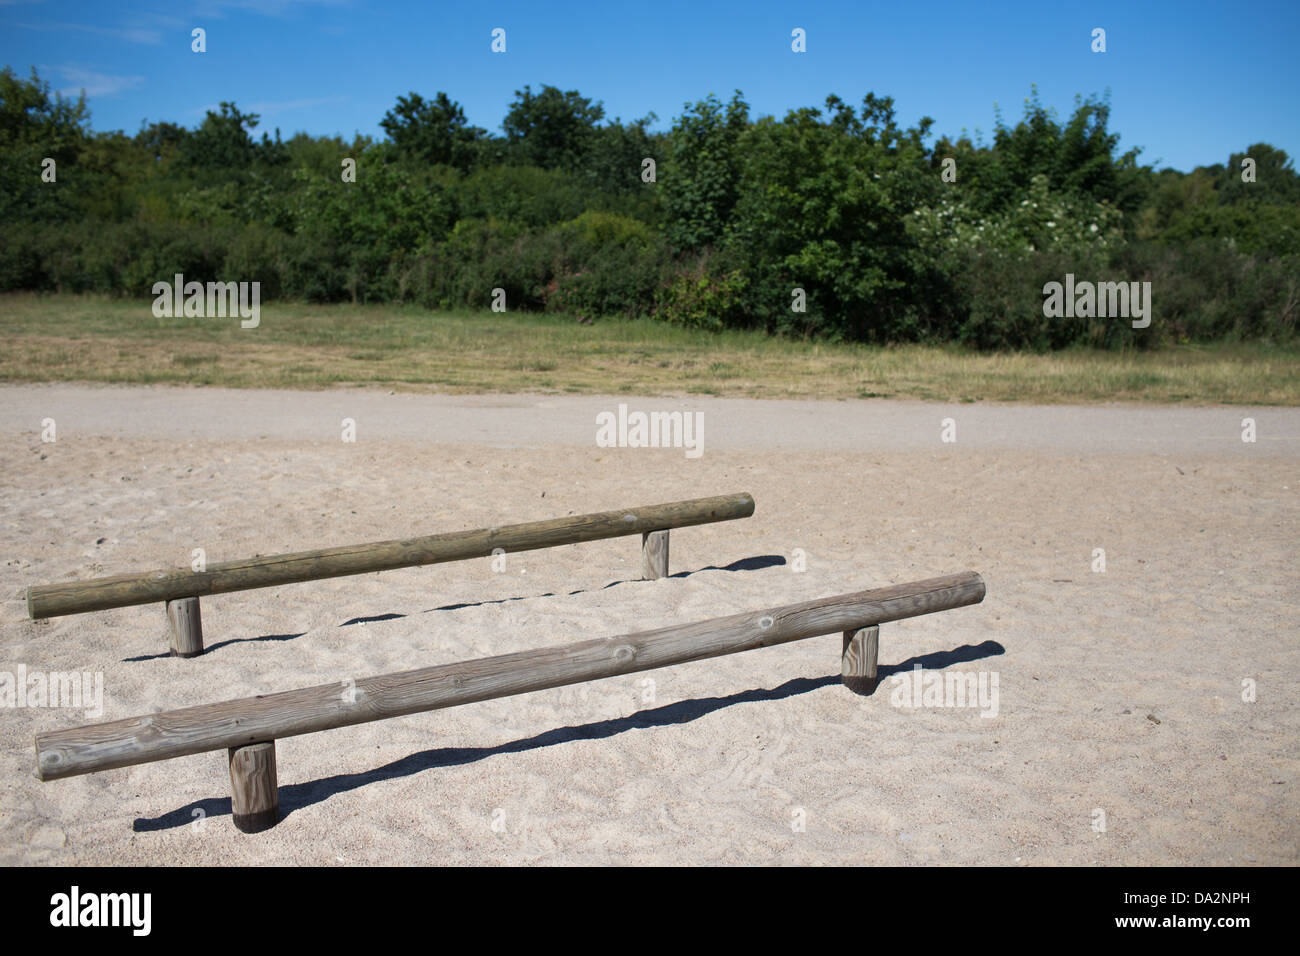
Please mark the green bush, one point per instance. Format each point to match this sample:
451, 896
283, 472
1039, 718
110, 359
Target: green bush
21, 261
257, 253
700, 298
1209, 291
522, 194
1002, 297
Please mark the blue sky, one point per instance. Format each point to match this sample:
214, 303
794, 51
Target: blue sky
1189, 82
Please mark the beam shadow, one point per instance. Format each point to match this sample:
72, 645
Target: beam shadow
755, 563
938, 660
220, 644
373, 619
299, 795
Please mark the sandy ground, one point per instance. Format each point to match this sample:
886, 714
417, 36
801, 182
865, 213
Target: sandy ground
1123, 731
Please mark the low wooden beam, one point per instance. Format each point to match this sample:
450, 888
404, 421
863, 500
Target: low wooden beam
234, 724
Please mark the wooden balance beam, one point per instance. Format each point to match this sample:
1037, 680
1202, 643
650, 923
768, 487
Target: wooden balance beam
248, 728
180, 589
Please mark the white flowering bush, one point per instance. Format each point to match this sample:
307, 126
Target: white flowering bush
1042, 220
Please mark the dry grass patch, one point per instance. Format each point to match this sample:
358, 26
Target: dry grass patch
75, 338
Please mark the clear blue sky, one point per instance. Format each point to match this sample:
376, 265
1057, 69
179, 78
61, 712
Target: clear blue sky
1190, 82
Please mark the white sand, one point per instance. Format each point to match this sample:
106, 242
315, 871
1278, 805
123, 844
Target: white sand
713, 761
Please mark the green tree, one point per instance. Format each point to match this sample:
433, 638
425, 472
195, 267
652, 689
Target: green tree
614, 159
1079, 157
552, 129
823, 205
432, 131
36, 126
30, 116
223, 143
1275, 182
699, 178
163, 141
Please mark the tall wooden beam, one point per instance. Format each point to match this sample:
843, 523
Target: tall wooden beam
76, 597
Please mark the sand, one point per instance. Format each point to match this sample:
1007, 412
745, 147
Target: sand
1125, 731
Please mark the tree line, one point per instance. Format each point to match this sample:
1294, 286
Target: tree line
832, 222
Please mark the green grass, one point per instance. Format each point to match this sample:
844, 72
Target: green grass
90, 339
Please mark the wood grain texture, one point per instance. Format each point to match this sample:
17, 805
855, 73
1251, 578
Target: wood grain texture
859, 659
76, 597
654, 555
254, 799
187, 627
66, 753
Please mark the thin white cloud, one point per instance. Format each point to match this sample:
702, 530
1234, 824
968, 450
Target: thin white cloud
129, 34
94, 83
271, 8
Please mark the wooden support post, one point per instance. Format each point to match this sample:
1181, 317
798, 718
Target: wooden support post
654, 555
187, 627
858, 663
254, 800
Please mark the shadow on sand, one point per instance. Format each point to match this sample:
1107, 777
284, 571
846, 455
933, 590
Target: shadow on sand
296, 796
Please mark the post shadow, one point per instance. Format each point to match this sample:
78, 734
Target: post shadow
755, 563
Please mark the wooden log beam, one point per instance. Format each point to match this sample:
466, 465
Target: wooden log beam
233, 724
76, 597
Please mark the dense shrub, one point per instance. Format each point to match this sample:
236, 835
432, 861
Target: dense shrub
1002, 294
700, 297
1208, 290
